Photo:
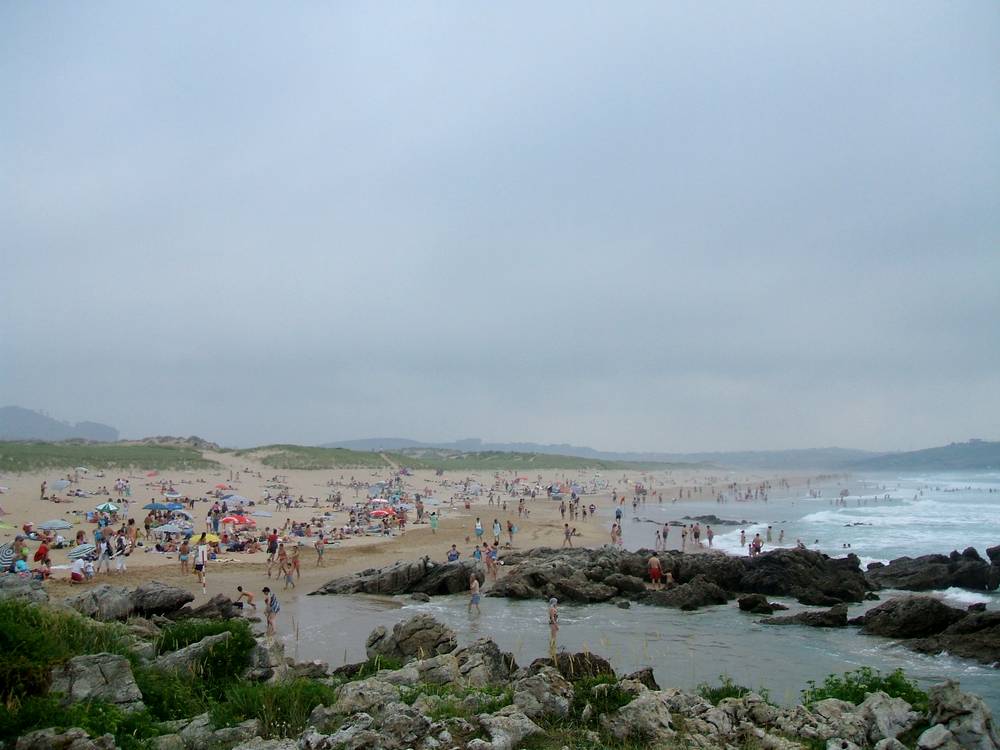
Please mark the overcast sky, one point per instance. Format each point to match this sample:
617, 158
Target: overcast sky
660, 226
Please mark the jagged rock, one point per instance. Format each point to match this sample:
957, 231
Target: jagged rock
402, 726
624, 583
643, 676
157, 598
507, 728
993, 553
168, 742
483, 663
103, 602
419, 596
105, 677
69, 739
910, 617
405, 577
929, 572
889, 743
578, 666
698, 592
645, 719
419, 637
266, 660
811, 577
312, 670
364, 696
442, 669
198, 733
259, 743
976, 636
624, 604
219, 607
755, 603
545, 693
835, 617
22, 589
143, 628
937, 738
965, 716
324, 719
887, 717
185, 659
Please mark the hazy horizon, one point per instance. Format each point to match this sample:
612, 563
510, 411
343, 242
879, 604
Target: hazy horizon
652, 227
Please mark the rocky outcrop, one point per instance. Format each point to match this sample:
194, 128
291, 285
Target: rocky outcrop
103, 602
423, 576
219, 607
69, 739
699, 592
544, 693
965, 719
910, 617
156, 598
975, 636
187, 658
808, 576
835, 617
507, 728
483, 663
576, 666
757, 604
418, 637
103, 677
22, 589
964, 569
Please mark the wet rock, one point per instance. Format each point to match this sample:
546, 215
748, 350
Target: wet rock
577, 666
69, 739
910, 617
419, 596
976, 636
406, 577
698, 592
624, 604
157, 598
187, 658
835, 617
929, 572
755, 604
421, 636
104, 677
624, 583
811, 577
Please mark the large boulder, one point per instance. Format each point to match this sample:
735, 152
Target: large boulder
809, 576
22, 589
910, 617
646, 719
545, 693
698, 592
68, 739
835, 617
364, 696
887, 717
965, 716
219, 607
406, 577
157, 598
573, 667
187, 658
507, 729
104, 677
625, 584
103, 602
419, 637
483, 663
930, 572
976, 636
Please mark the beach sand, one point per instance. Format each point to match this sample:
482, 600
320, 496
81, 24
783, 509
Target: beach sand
544, 527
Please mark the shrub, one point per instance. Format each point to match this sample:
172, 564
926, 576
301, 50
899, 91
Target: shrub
282, 709
607, 699
726, 688
95, 717
173, 695
373, 665
226, 661
854, 686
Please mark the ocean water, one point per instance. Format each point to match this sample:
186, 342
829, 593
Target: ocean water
922, 515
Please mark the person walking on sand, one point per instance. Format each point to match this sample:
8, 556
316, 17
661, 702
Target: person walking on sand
474, 594
434, 522
285, 567
553, 626
320, 549
248, 596
567, 536
201, 562
479, 528
272, 607
296, 563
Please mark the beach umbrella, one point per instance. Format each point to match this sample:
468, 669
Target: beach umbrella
263, 513
208, 537
152, 473
183, 513
380, 513
56, 524
175, 506
60, 484
222, 486
82, 469
168, 528
155, 506
379, 500
81, 550
107, 507
172, 495
6, 555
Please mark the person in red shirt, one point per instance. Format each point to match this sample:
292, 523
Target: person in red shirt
41, 553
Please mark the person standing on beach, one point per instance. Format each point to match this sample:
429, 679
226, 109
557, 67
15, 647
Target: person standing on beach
553, 626
272, 608
497, 530
434, 522
201, 562
479, 528
474, 595
320, 549
567, 536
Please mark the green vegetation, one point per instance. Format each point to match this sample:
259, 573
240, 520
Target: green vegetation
35, 456
460, 702
854, 686
374, 664
131, 730
726, 688
601, 693
282, 709
307, 457
225, 659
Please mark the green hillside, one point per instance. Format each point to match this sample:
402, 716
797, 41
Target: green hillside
975, 455
22, 456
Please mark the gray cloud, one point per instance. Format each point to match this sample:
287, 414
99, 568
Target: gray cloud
663, 226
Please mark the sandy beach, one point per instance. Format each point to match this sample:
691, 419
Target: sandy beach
543, 527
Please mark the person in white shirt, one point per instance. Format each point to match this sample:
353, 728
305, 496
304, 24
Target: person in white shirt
201, 561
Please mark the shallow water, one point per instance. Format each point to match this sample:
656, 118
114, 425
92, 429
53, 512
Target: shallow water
688, 648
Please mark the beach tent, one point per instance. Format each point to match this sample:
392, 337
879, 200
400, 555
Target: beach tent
239, 499
56, 524
380, 513
107, 507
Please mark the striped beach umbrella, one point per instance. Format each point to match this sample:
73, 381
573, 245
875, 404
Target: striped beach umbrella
81, 550
6, 555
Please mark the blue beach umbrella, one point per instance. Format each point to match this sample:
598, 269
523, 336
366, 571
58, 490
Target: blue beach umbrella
156, 506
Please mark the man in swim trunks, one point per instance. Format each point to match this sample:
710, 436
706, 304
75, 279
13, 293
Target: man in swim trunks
655, 571
474, 595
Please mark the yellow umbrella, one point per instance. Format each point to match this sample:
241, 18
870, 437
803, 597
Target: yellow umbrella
210, 537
